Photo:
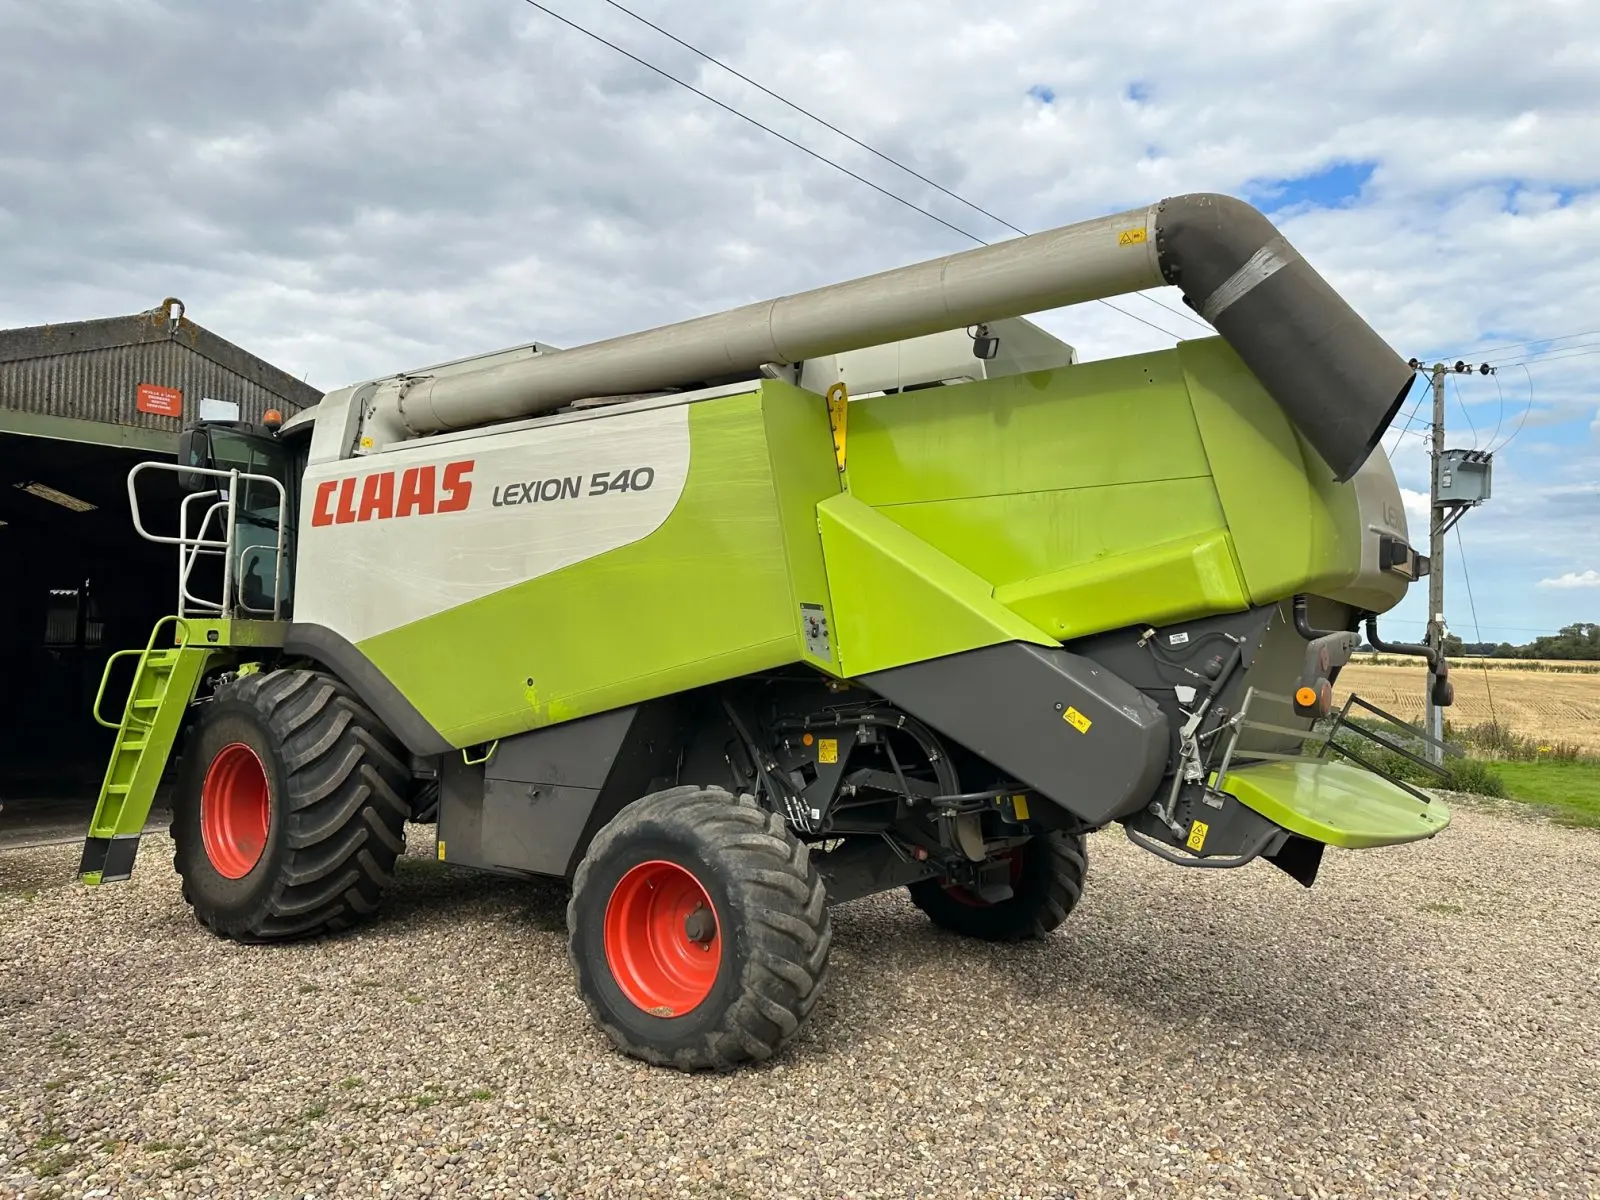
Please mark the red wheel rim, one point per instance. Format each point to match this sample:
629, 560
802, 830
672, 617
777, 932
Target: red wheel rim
234, 811
663, 939
1012, 857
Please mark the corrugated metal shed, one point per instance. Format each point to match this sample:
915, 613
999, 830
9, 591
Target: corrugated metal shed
83, 380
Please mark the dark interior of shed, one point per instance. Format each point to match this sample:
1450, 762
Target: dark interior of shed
78, 584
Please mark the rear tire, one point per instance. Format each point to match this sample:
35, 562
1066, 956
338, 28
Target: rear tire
699, 930
1047, 883
287, 816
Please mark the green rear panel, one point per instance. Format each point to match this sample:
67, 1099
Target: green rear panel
1337, 803
1270, 482
1156, 488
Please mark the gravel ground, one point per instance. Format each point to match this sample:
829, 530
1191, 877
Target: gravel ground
1426, 1021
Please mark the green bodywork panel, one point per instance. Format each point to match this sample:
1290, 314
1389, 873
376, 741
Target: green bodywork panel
713, 594
240, 635
899, 600
1180, 580
1336, 802
1269, 481
1157, 488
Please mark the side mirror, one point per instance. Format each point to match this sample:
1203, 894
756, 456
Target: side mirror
194, 450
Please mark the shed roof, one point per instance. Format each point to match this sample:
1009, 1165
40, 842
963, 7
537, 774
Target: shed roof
132, 381
163, 323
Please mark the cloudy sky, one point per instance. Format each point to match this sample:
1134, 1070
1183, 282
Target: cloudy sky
350, 187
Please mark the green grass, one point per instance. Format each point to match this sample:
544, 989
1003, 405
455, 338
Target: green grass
1554, 779
1568, 791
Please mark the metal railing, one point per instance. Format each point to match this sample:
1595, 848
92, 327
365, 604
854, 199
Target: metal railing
194, 543
1324, 732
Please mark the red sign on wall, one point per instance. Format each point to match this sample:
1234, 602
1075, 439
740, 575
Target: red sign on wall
164, 402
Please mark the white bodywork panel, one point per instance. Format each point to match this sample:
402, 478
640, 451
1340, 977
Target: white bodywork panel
392, 538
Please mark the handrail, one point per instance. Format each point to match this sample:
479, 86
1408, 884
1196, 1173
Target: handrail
105, 674
100, 695
192, 545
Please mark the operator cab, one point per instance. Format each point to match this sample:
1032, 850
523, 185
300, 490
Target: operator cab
261, 515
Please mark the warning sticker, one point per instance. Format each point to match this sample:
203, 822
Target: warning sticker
1131, 237
1076, 719
1197, 836
162, 401
827, 750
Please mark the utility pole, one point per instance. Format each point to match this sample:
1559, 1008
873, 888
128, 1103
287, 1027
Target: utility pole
1458, 480
1436, 627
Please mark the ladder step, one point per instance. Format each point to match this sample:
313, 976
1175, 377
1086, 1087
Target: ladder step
147, 703
133, 744
118, 789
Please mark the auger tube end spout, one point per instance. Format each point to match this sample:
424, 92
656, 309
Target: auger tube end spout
1338, 381
1335, 378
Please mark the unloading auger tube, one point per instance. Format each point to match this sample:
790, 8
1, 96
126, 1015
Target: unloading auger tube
1335, 378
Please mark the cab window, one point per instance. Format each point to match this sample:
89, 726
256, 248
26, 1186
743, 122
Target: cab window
257, 518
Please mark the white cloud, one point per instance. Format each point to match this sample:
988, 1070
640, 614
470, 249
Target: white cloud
1572, 579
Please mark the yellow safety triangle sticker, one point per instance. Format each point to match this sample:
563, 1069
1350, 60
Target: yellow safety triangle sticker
1131, 237
1197, 836
827, 750
1076, 719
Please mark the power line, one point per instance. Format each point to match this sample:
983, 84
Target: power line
1559, 351
822, 158
1415, 408
894, 162
1500, 418
1477, 632
1546, 361
1566, 337
1526, 410
745, 117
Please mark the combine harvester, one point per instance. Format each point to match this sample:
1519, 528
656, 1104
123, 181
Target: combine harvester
729, 621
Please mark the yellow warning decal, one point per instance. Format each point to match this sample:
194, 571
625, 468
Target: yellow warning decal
441, 849
1019, 806
827, 750
838, 420
1131, 237
1076, 719
1197, 836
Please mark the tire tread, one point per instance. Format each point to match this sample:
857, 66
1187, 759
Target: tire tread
341, 803
782, 900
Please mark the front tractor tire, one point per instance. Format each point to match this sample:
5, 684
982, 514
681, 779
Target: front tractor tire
288, 814
1046, 884
699, 930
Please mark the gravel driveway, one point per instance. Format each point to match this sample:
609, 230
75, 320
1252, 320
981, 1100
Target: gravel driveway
1426, 1021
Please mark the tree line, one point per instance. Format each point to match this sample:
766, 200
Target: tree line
1580, 641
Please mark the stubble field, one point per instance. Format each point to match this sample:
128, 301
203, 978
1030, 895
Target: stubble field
1556, 702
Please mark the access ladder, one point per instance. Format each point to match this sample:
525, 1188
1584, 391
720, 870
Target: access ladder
164, 684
